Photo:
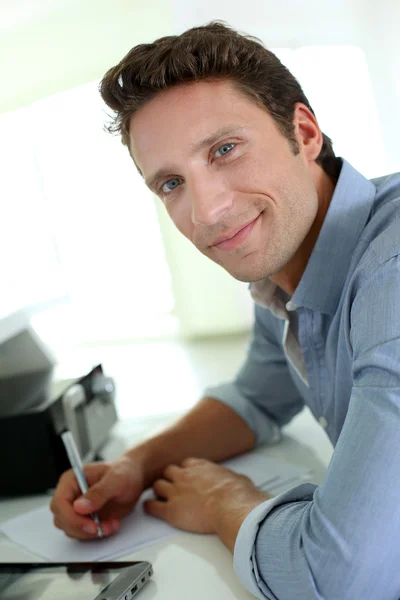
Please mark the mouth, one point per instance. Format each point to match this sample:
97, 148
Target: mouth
231, 241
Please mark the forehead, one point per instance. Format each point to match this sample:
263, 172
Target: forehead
179, 116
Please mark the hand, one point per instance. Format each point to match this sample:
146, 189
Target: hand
114, 488
196, 496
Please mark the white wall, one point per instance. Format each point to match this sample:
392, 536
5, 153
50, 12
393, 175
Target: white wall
289, 23
381, 43
68, 42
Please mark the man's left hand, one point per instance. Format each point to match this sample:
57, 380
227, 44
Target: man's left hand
203, 497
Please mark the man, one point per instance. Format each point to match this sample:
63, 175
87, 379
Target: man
224, 135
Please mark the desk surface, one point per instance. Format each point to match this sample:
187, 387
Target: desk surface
198, 565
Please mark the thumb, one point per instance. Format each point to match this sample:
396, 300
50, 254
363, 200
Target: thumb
95, 498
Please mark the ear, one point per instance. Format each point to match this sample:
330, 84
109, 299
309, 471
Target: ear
307, 131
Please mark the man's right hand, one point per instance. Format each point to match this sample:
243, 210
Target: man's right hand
210, 430
114, 488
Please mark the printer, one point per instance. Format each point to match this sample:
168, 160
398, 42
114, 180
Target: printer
35, 409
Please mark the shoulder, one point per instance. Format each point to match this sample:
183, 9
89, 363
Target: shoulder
383, 229
380, 239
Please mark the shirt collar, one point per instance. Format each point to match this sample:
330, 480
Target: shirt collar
322, 282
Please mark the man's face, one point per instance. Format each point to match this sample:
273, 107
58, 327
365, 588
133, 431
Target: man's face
226, 175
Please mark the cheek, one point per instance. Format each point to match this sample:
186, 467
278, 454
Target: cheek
257, 178
181, 217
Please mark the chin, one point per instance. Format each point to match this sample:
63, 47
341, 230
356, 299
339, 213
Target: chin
255, 269
249, 275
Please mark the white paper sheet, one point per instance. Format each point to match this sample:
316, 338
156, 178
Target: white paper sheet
35, 530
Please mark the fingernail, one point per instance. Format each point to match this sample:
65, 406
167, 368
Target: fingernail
90, 528
83, 503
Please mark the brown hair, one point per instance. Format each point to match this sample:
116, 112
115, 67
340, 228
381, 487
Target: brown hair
213, 51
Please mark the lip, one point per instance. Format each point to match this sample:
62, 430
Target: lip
231, 242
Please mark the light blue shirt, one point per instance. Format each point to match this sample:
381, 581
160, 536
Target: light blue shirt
339, 540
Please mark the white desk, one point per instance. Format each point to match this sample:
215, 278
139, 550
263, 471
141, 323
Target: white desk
190, 565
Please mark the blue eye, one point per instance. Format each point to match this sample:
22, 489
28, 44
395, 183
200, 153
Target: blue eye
170, 185
225, 149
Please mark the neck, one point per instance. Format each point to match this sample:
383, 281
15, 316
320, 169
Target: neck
289, 278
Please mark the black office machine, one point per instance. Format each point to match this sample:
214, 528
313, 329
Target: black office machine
35, 410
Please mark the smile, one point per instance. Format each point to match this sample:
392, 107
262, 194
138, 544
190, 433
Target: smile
237, 239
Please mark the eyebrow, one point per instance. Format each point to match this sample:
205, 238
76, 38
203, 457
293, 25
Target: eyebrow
196, 147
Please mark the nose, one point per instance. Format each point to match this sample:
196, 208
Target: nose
210, 197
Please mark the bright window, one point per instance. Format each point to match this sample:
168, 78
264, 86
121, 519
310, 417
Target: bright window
337, 84
103, 218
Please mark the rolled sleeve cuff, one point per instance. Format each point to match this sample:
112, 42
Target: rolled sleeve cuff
244, 560
264, 428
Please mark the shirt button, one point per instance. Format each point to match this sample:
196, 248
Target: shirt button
323, 422
291, 305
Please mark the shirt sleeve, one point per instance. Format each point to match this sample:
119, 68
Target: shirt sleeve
263, 392
340, 540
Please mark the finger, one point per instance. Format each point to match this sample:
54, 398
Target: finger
88, 531
73, 523
171, 472
191, 462
67, 518
156, 509
107, 529
67, 490
68, 486
96, 496
79, 534
162, 488
82, 527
